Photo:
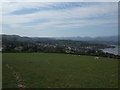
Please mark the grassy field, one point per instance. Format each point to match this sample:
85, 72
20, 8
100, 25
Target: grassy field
47, 70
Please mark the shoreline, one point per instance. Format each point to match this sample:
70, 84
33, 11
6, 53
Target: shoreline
113, 50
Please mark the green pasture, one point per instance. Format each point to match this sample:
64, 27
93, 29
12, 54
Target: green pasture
50, 70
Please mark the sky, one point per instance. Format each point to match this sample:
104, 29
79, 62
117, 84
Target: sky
60, 19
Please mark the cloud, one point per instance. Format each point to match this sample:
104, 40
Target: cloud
8, 7
59, 0
75, 17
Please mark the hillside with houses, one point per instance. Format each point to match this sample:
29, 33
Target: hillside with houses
14, 43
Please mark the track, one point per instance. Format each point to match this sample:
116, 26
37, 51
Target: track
17, 76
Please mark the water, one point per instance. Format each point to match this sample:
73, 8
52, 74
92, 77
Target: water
114, 51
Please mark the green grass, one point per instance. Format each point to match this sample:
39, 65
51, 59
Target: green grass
47, 70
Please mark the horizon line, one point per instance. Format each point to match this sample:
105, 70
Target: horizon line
58, 36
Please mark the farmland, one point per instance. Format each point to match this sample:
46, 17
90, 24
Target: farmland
50, 70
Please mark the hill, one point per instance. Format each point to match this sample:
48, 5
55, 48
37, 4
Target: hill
101, 40
15, 43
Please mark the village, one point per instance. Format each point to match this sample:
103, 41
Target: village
22, 44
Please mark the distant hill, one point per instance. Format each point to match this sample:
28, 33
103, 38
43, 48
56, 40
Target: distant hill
98, 40
107, 38
20, 38
15, 43
104, 40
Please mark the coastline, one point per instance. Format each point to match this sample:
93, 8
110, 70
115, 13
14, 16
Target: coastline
114, 50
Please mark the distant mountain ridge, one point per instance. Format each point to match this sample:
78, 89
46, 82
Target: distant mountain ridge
23, 38
107, 38
104, 40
